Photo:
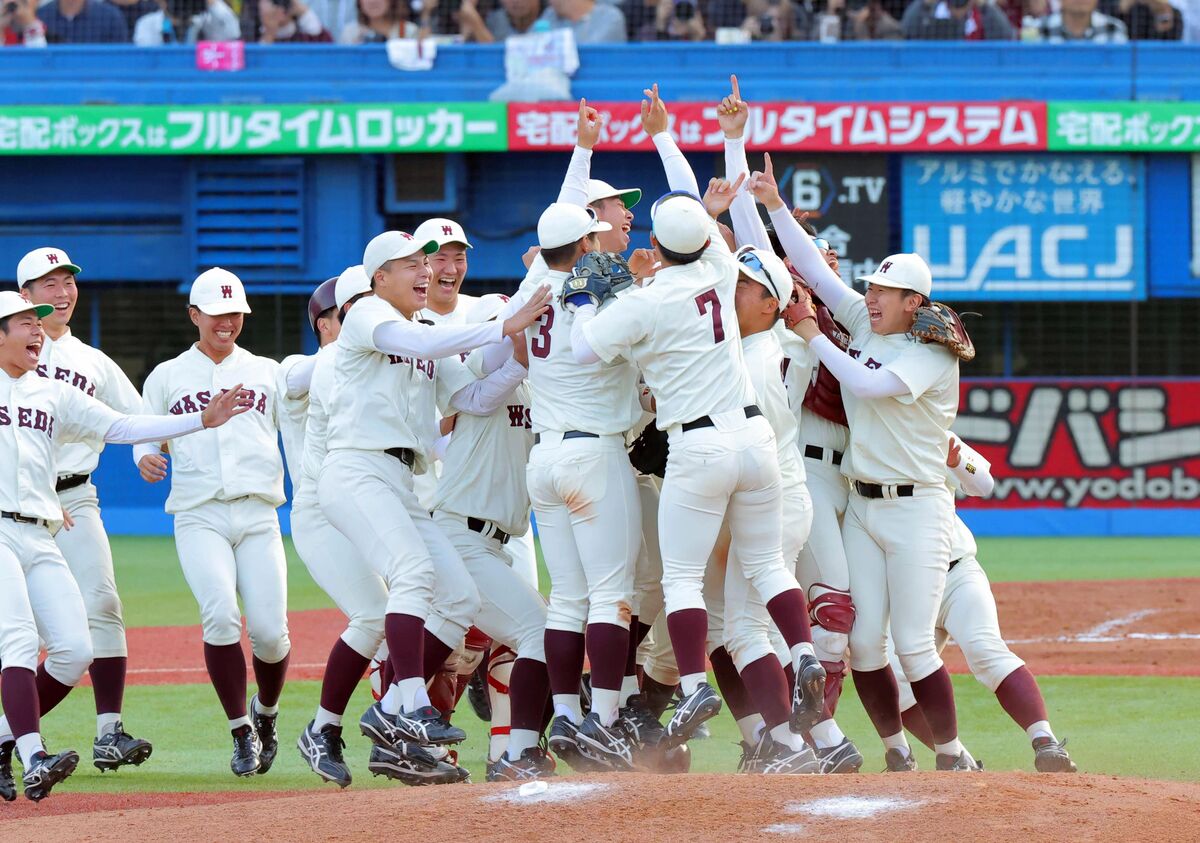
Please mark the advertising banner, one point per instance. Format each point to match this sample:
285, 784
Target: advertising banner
1124, 126
1027, 227
813, 127
1085, 443
251, 129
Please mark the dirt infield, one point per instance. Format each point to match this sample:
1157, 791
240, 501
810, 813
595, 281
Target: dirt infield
696, 808
1113, 627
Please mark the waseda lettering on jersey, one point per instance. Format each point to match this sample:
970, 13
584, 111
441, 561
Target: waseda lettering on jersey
871, 363
29, 417
196, 403
75, 379
428, 367
518, 416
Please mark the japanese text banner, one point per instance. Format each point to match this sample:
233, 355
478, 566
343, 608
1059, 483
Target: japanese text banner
1129, 126
813, 127
252, 129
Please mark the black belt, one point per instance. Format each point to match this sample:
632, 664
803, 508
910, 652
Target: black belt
815, 453
71, 481
953, 563
405, 455
570, 434
705, 421
874, 490
23, 519
480, 526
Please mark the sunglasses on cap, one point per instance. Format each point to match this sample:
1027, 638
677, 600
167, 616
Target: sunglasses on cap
821, 243
752, 260
672, 195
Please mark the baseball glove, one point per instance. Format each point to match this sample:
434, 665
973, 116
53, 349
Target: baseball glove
648, 453
800, 306
596, 278
938, 323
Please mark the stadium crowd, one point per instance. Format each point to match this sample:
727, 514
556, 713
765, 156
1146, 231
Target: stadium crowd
154, 22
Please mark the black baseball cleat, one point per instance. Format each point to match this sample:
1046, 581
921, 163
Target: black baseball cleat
118, 748
753, 757
477, 693
323, 752
690, 711
606, 744
412, 765
534, 763
268, 736
585, 694
843, 758
427, 726
379, 727
1050, 756
961, 763
44, 771
639, 724
564, 742
898, 761
8, 785
781, 760
246, 752
808, 697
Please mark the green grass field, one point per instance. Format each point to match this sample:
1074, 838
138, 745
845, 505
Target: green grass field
1135, 726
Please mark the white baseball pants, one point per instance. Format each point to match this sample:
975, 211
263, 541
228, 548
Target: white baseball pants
823, 557
89, 556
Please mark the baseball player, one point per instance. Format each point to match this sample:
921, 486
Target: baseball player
47, 276
39, 598
381, 427
968, 615
225, 487
900, 396
723, 460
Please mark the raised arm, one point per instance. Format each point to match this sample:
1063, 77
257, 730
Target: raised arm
732, 114
655, 122
137, 430
575, 184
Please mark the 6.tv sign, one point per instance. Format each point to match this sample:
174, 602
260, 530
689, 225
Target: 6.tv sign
1027, 227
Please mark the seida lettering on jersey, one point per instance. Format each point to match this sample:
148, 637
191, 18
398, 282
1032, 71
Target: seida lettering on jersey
75, 379
29, 417
197, 403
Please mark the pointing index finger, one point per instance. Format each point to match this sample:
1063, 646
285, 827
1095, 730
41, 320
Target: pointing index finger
737, 94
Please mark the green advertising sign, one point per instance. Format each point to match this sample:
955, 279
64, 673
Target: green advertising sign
1124, 126
253, 129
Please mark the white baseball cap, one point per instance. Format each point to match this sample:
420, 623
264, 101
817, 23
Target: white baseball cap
905, 271
42, 261
681, 224
392, 245
217, 291
486, 307
442, 231
767, 269
12, 303
562, 223
352, 282
598, 190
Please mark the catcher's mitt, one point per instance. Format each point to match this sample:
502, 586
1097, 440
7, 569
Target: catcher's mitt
938, 323
648, 453
800, 306
596, 278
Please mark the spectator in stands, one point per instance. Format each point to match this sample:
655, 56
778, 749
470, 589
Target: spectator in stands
186, 22
511, 17
1154, 20
290, 22
21, 26
1080, 21
955, 20
592, 22
865, 20
1024, 14
133, 10
83, 22
673, 20
772, 20
379, 20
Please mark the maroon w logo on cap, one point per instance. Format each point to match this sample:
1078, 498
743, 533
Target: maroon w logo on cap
447, 230
227, 292
51, 257
886, 265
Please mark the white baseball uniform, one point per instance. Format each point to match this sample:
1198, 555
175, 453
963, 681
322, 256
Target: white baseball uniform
898, 547
331, 559
85, 546
225, 487
580, 481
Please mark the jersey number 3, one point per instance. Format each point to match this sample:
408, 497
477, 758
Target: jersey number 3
539, 346
708, 300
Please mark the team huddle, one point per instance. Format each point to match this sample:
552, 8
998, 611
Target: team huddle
733, 459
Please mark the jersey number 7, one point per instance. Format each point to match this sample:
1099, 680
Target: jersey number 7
708, 302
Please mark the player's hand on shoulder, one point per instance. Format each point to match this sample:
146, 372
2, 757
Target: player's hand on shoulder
537, 304
152, 467
229, 403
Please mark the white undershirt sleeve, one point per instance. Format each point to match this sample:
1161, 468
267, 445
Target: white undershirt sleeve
679, 171
433, 342
580, 347
978, 483
575, 184
485, 395
748, 226
299, 376
806, 257
854, 376
140, 430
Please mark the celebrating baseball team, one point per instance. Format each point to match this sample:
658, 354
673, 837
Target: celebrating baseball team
734, 461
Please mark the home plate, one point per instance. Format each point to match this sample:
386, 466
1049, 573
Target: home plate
554, 792
853, 807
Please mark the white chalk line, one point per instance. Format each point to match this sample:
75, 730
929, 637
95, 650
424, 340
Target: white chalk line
853, 807
555, 792
1103, 633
